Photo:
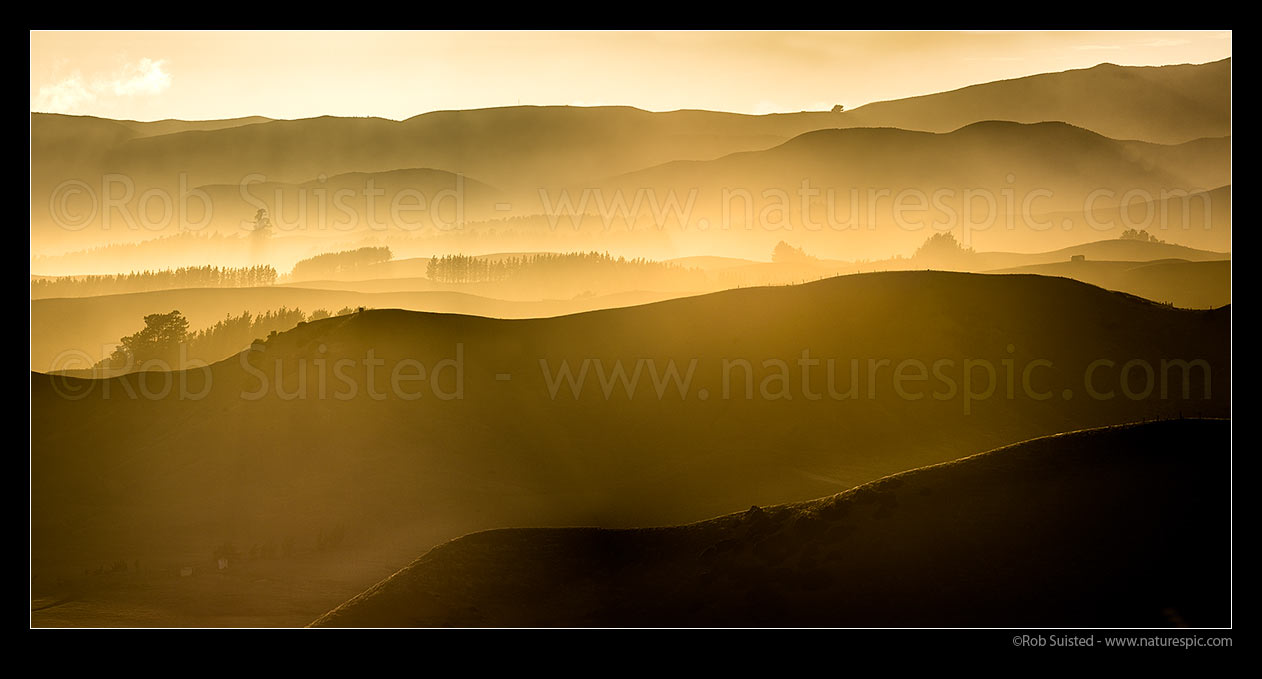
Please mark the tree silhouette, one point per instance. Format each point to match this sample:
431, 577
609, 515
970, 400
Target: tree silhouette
334, 263
548, 266
1141, 235
160, 340
784, 253
236, 333
262, 224
165, 279
942, 248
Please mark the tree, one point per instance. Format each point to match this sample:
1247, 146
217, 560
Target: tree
1141, 235
262, 224
787, 254
160, 340
235, 333
344, 262
942, 248
838, 108
165, 279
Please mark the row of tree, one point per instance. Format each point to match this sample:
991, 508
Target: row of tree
1139, 235
339, 263
467, 269
144, 281
236, 333
165, 334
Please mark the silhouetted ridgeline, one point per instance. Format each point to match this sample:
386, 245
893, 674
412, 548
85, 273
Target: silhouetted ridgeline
1118, 527
521, 149
174, 465
1025, 173
1189, 285
1036, 267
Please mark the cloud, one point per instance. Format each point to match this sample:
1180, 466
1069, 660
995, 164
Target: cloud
145, 77
64, 96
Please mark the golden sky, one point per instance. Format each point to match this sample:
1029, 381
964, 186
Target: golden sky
206, 75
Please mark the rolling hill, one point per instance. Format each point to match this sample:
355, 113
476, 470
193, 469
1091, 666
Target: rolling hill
1169, 104
521, 150
1165, 104
65, 327
485, 431
1201, 219
1190, 285
66, 332
868, 192
171, 126
1123, 526
1163, 284
408, 200
1116, 250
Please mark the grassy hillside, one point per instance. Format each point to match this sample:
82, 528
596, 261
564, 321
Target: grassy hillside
165, 475
1121, 526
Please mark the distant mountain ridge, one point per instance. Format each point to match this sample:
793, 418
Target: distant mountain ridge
1026, 172
524, 149
1165, 104
870, 191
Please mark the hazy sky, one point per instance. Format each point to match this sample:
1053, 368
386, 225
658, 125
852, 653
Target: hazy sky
203, 75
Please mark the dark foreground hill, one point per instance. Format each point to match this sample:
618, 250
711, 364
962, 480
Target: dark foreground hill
652, 415
1120, 526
